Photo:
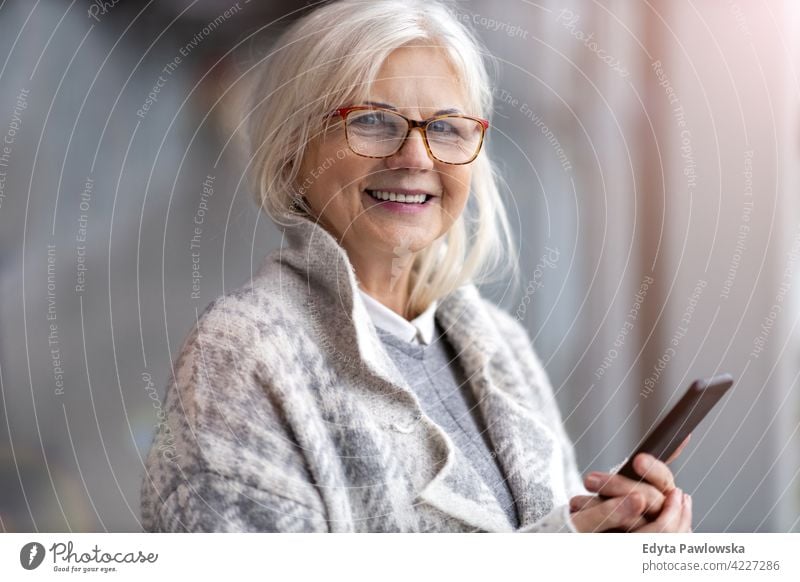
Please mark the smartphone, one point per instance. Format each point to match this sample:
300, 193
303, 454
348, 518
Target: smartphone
684, 417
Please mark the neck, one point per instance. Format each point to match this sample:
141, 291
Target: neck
387, 281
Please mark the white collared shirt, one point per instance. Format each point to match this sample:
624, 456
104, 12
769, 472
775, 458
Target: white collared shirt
419, 330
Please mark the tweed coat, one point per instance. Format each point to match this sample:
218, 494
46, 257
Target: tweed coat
284, 413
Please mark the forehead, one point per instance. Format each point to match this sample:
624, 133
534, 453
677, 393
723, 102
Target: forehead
420, 79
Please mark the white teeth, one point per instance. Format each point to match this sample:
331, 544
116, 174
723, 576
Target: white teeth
393, 197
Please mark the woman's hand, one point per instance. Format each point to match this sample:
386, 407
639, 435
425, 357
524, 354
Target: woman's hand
676, 516
651, 505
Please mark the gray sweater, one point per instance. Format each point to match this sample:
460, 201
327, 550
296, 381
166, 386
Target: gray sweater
284, 413
436, 377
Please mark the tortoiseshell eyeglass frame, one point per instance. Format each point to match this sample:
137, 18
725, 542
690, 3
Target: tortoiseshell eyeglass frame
422, 125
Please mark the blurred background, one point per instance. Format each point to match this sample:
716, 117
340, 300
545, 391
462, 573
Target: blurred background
650, 154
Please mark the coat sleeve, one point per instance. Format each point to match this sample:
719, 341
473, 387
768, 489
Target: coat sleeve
558, 520
223, 458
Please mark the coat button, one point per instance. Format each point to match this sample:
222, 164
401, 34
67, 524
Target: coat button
407, 425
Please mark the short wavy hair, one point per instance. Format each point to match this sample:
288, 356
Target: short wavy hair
329, 57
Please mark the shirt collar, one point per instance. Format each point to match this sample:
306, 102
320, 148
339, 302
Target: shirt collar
420, 330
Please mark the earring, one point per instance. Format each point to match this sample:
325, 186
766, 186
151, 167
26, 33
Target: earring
296, 204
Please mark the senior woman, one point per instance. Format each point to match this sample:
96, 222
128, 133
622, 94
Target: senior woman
360, 382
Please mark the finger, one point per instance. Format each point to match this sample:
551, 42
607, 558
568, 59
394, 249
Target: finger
654, 472
670, 517
633, 525
685, 524
678, 451
612, 513
627, 521
620, 486
580, 502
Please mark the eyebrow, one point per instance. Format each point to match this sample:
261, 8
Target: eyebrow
393, 108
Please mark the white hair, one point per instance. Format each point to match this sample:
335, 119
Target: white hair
330, 57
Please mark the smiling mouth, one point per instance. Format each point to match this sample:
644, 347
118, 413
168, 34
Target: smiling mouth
389, 196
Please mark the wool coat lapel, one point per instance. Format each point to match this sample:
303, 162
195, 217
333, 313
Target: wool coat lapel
526, 448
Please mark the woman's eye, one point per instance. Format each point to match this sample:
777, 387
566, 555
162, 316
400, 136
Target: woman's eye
441, 127
369, 119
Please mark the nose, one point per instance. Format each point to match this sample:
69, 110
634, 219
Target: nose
412, 154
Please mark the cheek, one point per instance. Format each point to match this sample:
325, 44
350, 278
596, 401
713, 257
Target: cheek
350, 173
333, 178
341, 169
457, 185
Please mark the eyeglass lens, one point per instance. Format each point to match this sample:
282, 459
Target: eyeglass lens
380, 133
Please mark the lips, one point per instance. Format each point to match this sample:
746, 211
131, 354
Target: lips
384, 202
404, 191
389, 196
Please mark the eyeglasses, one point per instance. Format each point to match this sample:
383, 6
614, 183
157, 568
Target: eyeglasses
374, 132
